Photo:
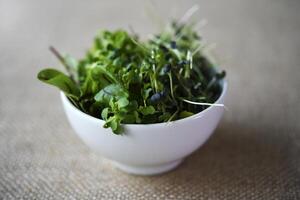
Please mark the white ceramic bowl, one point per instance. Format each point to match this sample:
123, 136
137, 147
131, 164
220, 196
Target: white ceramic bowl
150, 148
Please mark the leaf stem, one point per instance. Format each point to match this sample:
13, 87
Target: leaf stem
189, 13
172, 117
202, 103
171, 85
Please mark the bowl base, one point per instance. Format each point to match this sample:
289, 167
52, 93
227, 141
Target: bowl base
148, 170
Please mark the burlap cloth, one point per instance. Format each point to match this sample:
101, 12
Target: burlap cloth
254, 153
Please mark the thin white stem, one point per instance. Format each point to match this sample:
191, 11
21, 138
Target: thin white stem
171, 85
189, 13
139, 44
189, 57
171, 118
197, 49
201, 24
203, 104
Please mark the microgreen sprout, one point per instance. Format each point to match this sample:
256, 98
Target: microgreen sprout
123, 80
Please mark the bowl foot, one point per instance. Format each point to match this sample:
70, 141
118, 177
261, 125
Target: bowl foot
148, 169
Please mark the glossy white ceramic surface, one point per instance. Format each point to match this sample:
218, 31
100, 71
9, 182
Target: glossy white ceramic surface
146, 149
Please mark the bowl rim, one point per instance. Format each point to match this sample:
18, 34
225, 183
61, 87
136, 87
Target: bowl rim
197, 115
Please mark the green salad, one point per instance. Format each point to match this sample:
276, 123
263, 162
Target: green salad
123, 80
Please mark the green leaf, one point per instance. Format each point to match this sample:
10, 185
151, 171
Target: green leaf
104, 113
111, 91
146, 93
120, 38
164, 117
89, 86
114, 123
122, 102
60, 80
98, 69
148, 110
184, 114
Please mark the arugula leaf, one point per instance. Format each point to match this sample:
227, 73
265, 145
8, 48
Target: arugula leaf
60, 80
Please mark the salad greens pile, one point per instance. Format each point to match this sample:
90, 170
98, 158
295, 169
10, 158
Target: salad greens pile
123, 80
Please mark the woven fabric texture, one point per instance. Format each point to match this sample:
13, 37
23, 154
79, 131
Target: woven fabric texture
254, 153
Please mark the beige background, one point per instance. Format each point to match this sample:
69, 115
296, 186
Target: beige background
254, 154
